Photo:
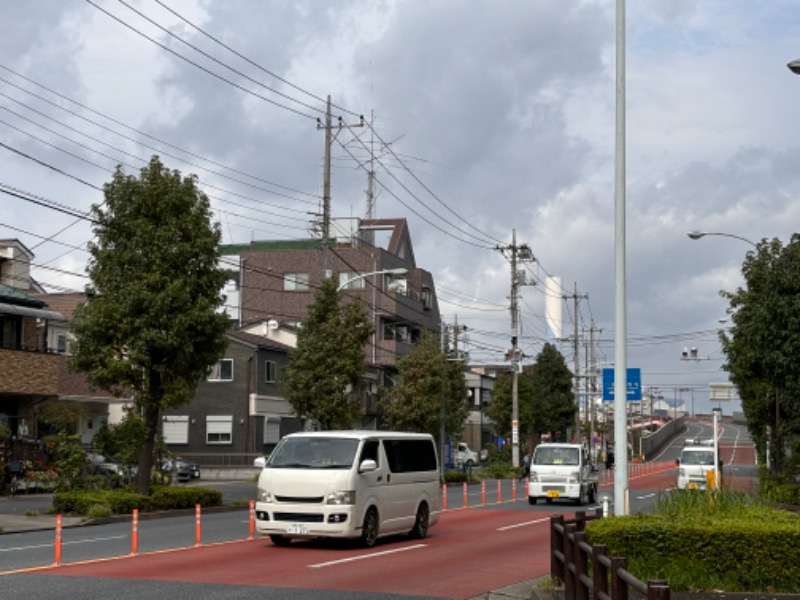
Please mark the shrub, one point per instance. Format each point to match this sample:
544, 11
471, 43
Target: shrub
80, 502
699, 540
166, 498
98, 511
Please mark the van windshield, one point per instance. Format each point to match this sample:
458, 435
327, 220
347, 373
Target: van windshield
697, 457
556, 456
313, 453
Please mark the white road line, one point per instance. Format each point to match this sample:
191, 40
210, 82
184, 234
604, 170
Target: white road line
365, 556
645, 497
525, 524
50, 544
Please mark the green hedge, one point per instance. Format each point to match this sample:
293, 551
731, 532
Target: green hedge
122, 502
80, 502
710, 546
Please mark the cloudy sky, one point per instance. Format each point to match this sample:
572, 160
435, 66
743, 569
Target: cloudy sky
484, 118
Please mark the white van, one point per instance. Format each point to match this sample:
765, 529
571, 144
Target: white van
349, 484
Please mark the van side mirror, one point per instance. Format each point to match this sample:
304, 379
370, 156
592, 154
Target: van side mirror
677, 461
367, 466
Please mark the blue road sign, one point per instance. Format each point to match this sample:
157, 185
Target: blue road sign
634, 387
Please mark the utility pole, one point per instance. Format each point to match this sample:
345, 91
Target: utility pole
326, 179
517, 254
575, 317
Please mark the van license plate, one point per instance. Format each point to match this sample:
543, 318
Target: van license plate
692, 486
298, 528
553, 494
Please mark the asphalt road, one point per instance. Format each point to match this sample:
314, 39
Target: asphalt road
495, 542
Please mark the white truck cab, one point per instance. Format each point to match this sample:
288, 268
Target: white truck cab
562, 471
464, 456
696, 466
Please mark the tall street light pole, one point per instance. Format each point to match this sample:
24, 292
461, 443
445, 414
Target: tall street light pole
620, 318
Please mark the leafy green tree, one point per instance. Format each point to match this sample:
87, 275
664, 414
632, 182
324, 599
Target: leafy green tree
762, 349
500, 408
121, 440
150, 328
544, 395
554, 402
324, 373
430, 385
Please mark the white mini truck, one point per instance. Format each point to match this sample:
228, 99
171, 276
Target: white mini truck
349, 484
562, 471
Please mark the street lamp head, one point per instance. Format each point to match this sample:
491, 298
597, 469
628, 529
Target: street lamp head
397, 271
794, 66
696, 235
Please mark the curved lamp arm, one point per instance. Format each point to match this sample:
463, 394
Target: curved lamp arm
696, 235
398, 271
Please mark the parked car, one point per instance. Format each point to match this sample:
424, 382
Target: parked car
109, 470
184, 469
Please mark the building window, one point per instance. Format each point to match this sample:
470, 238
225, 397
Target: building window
219, 429
222, 371
352, 280
427, 298
270, 371
272, 430
62, 344
295, 282
176, 429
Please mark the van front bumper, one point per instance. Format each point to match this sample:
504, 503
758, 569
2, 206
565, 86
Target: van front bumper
302, 520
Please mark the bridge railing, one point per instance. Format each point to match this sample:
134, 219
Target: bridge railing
571, 557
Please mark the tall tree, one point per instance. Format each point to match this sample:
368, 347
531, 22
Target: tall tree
150, 327
761, 350
324, 373
554, 403
431, 386
500, 408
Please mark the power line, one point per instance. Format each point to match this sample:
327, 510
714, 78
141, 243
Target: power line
202, 68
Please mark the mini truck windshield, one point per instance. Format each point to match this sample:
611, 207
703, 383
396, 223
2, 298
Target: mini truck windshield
313, 453
556, 456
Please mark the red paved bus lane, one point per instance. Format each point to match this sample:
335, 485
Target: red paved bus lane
469, 552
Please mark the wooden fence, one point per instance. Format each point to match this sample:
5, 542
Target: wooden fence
587, 572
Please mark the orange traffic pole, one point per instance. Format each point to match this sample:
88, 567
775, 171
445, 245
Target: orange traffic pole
444, 496
483, 492
514, 488
252, 519
197, 529
135, 532
465, 494
58, 541
499, 494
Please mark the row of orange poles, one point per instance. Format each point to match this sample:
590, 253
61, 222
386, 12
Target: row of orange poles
135, 530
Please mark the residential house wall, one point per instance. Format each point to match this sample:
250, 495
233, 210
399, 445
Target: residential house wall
230, 411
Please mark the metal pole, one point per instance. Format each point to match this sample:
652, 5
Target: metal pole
514, 360
620, 324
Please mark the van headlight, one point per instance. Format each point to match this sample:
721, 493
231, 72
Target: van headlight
343, 497
533, 477
263, 495
574, 477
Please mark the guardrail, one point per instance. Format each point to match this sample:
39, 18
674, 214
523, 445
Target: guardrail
571, 558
